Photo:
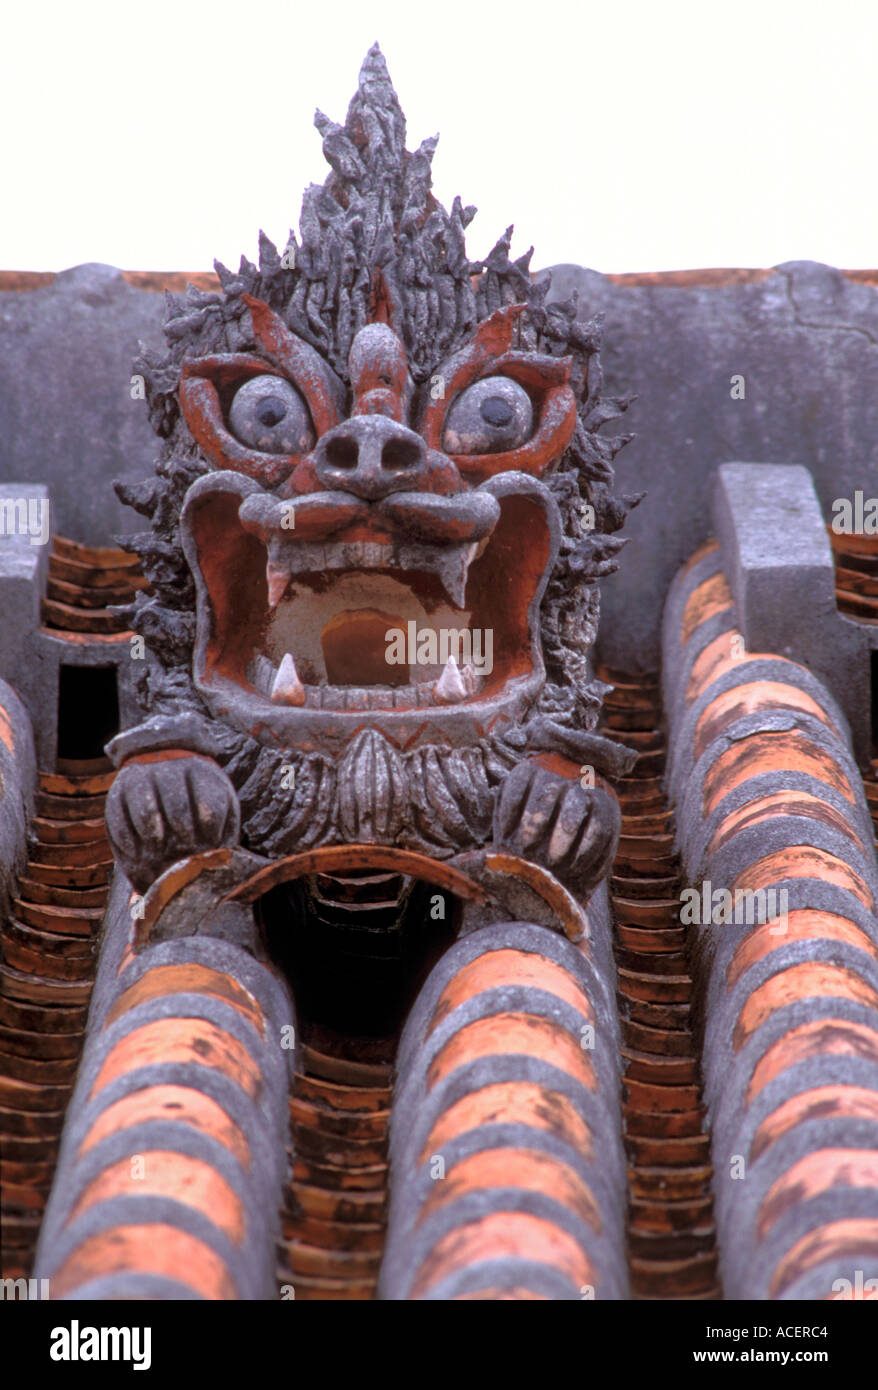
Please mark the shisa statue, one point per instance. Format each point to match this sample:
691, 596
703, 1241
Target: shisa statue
376, 530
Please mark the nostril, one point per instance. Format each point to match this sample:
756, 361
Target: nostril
342, 452
398, 454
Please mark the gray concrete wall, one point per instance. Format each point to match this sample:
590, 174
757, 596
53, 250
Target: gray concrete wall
805, 340
67, 418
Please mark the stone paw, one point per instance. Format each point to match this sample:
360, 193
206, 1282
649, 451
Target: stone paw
161, 810
553, 821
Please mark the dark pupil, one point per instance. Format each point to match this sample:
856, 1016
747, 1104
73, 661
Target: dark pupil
270, 410
495, 411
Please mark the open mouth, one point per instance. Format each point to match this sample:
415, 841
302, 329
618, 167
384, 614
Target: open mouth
417, 612
352, 630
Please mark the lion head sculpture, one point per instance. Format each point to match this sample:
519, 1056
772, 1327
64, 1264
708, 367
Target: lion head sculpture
376, 529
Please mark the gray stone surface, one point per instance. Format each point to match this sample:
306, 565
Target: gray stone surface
805, 340
66, 413
778, 561
31, 657
37, 681
24, 564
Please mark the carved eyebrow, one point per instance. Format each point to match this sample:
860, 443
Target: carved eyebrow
322, 387
489, 352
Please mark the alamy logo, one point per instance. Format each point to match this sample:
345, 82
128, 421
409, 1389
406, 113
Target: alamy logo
861, 1288
32, 1289
747, 907
25, 516
429, 646
855, 517
75, 1343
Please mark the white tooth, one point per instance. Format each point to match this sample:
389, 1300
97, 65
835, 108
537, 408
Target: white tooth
287, 688
304, 558
467, 555
345, 556
450, 565
278, 579
450, 688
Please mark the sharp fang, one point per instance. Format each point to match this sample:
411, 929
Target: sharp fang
452, 567
287, 688
278, 579
449, 564
450, 688
472, 683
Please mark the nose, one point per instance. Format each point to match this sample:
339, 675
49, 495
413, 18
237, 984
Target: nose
371, 456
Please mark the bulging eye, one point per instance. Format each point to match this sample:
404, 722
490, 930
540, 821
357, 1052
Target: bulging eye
489, 417
269, 414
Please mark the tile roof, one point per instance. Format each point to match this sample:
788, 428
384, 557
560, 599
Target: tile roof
172, 1166
769, 798
670, 1231
507, 1175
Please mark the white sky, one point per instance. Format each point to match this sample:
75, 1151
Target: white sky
626, 136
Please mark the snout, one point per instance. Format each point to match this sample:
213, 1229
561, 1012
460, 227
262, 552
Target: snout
371, 456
